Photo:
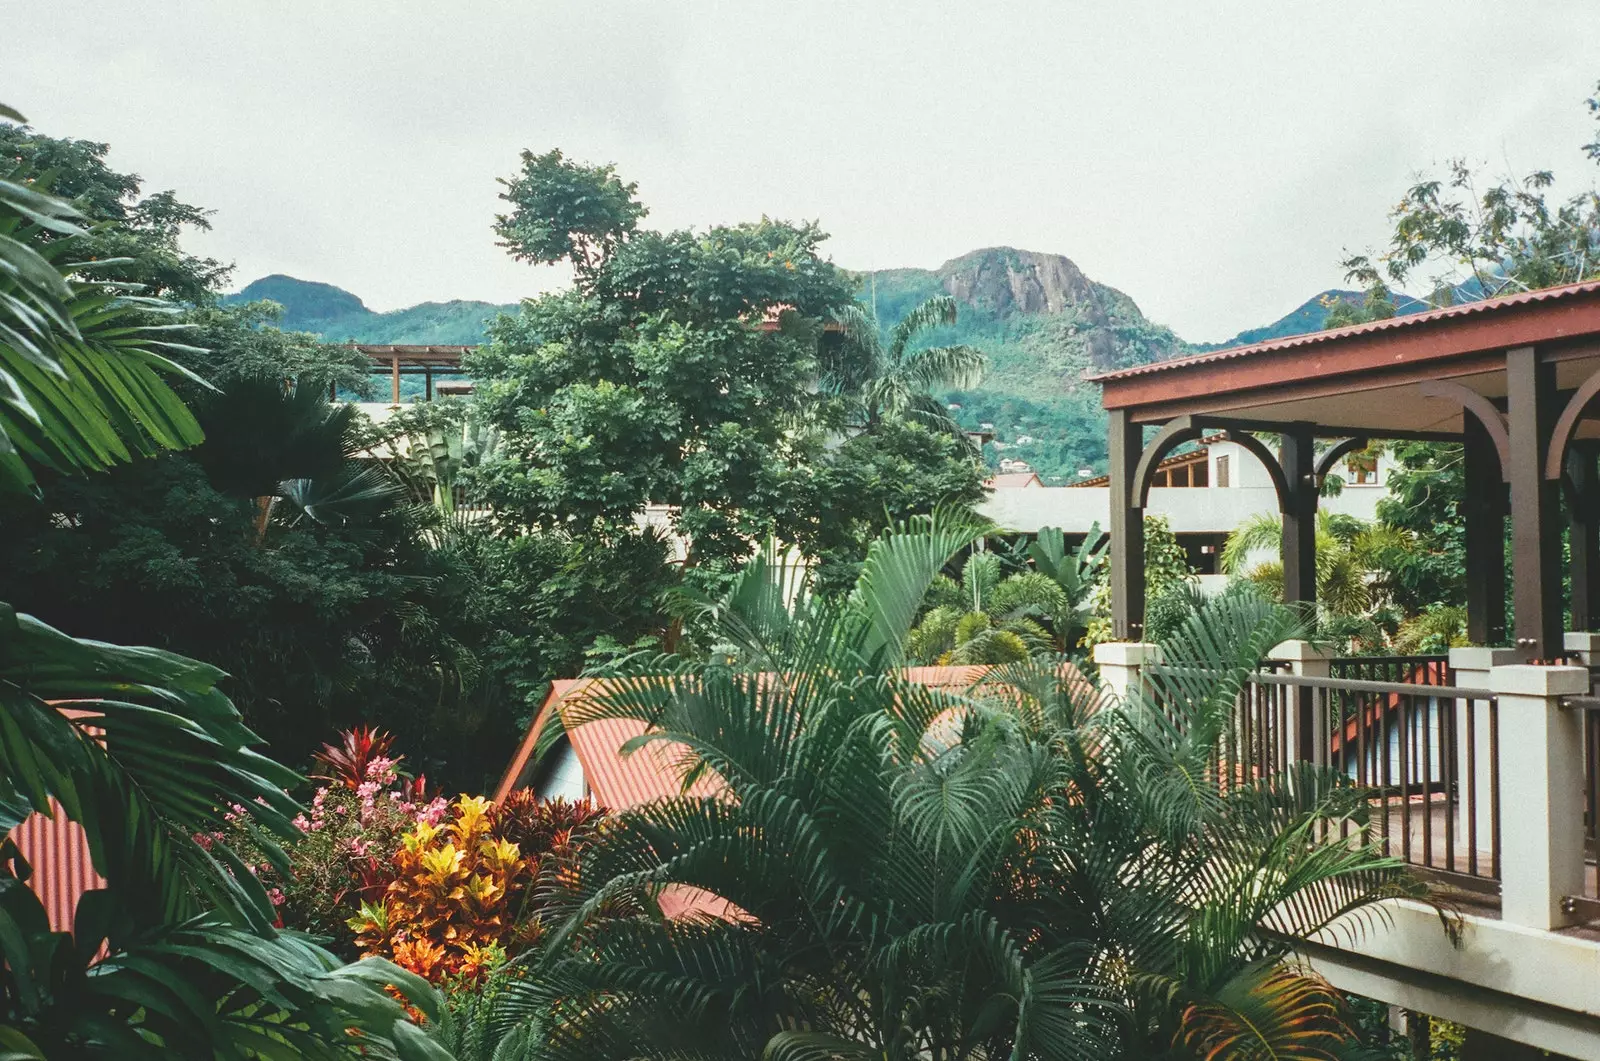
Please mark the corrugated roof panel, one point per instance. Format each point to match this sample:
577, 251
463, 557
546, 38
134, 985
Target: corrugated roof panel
58, 851
1414, 320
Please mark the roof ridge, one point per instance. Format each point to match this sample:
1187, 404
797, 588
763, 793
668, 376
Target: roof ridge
1411, 320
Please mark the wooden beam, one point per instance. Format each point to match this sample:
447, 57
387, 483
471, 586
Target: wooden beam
1127, 530
1535, 506
1300, 519
394, 368
1483, 512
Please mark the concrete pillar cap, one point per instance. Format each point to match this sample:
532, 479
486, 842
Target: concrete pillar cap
1474, 657
1300, 652
1581, 641
1527, 679
1126, 653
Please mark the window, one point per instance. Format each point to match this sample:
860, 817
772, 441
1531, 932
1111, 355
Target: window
1222, 470
1363, 469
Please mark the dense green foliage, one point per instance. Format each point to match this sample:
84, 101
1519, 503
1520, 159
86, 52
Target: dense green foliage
1005, 608
907, 871
85, 366
680, 373
175, 955
266, 549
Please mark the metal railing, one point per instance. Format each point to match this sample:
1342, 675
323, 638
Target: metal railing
1409, 670
1426, 752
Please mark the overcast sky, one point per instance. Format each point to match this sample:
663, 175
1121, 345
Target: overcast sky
1210, 159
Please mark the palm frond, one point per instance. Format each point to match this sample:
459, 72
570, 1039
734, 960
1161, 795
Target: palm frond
936, 312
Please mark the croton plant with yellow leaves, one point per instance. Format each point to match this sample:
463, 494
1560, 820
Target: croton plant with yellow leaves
475, 888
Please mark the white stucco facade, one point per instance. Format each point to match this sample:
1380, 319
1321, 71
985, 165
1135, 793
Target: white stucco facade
1211, 509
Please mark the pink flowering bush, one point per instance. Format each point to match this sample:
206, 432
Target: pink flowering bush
357, 816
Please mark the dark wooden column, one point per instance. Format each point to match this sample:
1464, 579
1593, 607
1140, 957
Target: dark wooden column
1127, 530
1583, 537
1535, 506
1484, 518
1300, 518
394, 368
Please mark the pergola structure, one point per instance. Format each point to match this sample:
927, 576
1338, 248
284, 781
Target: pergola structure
1512, 379
424, 361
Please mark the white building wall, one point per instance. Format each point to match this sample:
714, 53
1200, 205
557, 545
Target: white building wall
1190, 509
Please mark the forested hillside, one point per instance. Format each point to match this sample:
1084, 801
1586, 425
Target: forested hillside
1042, 322
339, 316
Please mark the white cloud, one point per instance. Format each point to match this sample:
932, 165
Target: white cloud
1210, 160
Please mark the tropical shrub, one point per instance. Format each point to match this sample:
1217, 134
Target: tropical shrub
469, 891
1015, 870
1168, 580
987, 618
348, 839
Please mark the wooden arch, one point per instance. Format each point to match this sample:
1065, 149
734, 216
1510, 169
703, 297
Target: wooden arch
1494, 425
1561, 438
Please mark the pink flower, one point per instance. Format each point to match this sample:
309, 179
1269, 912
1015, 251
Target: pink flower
302, 823
381, 770
358, 846
276, 896
434, 812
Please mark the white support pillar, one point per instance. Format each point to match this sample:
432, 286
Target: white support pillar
1120, 661
1305, 660
1470, 668
1541, 792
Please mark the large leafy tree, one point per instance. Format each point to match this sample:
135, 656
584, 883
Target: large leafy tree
679, 371
889, 870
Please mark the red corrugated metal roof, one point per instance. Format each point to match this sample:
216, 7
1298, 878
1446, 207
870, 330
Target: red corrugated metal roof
58, 851
1414, 320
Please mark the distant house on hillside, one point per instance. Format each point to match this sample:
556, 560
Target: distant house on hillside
1015, 480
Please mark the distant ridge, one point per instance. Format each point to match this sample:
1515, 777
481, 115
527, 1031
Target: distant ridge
338, 316
1310, 316
1043, 322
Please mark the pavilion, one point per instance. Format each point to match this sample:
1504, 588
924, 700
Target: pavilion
1511, 379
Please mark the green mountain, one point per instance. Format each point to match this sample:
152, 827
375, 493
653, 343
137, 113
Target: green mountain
1042, 322
339, 316
1310, 316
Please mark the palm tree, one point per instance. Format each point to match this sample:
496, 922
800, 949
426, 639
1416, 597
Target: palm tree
987, 619
1349, 558
899, 872
895, 379
177, 955
275, 442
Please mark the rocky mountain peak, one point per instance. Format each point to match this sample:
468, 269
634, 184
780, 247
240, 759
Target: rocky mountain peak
1004, 280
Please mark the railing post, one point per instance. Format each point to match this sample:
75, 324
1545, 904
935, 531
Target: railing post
1120, 662
1469, 669
1305, 660
1541, 783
